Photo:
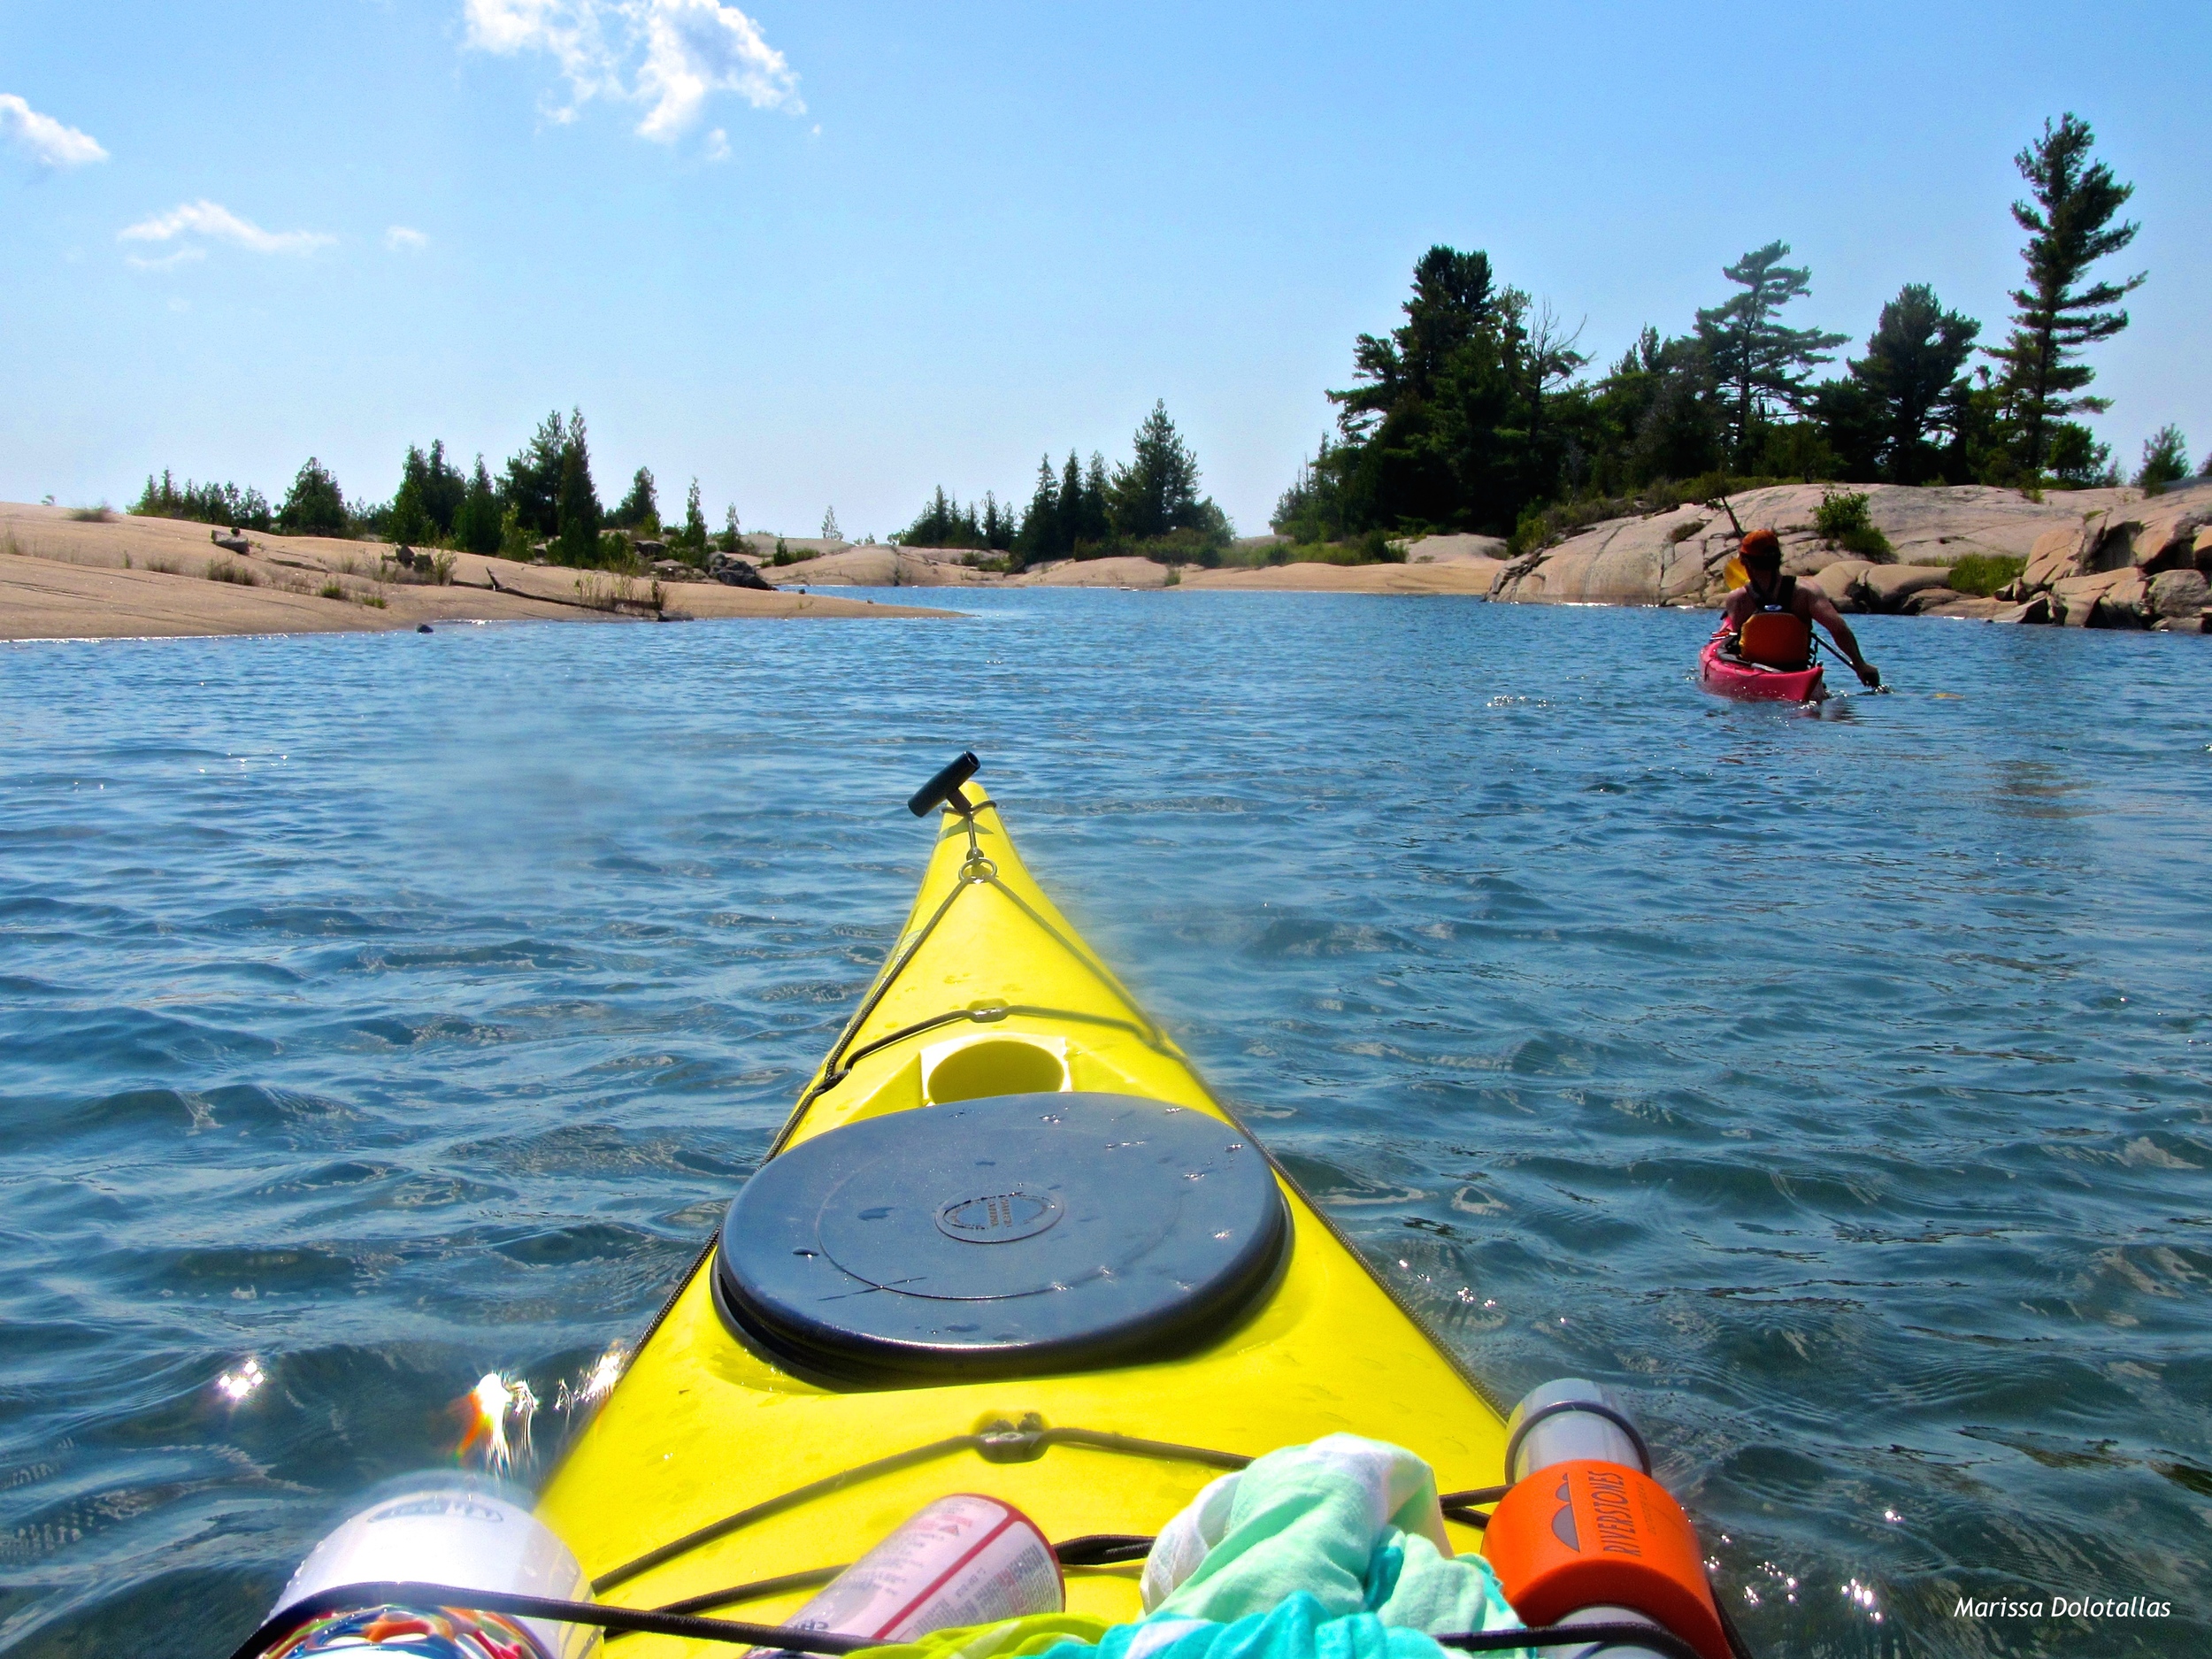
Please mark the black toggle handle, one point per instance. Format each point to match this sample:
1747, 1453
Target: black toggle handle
944, 788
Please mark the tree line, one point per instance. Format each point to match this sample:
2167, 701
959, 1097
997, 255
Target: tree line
1473, 414
542, 503
1150, 504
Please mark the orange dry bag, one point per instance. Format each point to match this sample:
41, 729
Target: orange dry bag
1580, 1533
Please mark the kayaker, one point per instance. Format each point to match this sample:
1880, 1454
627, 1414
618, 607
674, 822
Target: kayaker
1770, 593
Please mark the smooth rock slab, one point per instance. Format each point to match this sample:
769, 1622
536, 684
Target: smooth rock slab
1680, 558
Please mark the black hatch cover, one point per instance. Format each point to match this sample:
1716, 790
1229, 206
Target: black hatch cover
1010, 1236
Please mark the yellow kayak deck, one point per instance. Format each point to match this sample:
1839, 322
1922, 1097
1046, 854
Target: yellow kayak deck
988, 992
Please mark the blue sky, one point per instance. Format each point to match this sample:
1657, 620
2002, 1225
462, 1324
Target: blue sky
837, 254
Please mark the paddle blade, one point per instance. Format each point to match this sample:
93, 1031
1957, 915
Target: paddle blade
1735, 575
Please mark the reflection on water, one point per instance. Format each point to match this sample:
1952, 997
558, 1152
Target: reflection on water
386, 1017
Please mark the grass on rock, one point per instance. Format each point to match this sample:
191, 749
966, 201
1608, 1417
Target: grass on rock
1982, 574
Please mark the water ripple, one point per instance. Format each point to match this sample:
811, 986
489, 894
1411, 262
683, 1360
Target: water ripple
1837, 1087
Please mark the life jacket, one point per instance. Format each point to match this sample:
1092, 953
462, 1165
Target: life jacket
1774, 635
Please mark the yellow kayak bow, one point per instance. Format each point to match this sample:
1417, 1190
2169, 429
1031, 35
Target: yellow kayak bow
735, 1461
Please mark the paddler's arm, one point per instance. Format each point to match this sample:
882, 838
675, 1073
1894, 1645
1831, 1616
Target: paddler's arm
1825, 613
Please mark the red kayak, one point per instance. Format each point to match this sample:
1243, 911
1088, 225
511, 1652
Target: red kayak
1732, 676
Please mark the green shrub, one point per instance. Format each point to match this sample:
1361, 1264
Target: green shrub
332, 589
1377, 548
1842, 521
228, 570
1841, 512
1984, 573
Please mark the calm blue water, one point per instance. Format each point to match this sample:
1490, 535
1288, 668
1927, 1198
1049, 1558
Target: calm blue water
389, 1010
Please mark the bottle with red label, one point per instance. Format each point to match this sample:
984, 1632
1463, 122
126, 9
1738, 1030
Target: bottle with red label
965, 1560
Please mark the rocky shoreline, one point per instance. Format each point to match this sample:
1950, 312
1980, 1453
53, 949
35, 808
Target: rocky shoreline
2111, 558
69, 576
2094, 558
2108, 558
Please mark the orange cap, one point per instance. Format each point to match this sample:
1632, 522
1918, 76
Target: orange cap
1762, 543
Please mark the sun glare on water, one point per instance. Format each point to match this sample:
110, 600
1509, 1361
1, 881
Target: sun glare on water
499, 1410
242, 1380
595, 1384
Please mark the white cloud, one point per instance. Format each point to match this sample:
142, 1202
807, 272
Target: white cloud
698, 47
185, 255
405, 239
670, 54
216, 223
45, 139
719, 145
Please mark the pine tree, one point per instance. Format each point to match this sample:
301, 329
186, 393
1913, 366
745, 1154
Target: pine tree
533, 477
733, 540
579, 509
1157, 491
694, 536
1070, 536
1039, 534
409, 520
315, 505
476, 522
442, 490
1760, 362
640, 509
2069, 228
829, 525
937, 525
2165, 459
1907, 388
1453, 297
1095, 523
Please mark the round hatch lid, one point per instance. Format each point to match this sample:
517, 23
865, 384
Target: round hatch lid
1009, 1236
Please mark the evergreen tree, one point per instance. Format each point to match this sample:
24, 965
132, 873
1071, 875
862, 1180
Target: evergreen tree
694, 536
580, 513
1069, 534
1312, 509
640, 509
208, 503
733, 540
409, 520
943, 523
1093, 522
314, 505
442, 490
829, 525
2069, 228
476, 521
1452, 298
533, 477
2073, 457
1039, 536
1757, 361
1907, 388
1157, 491
1455, 421
1657, 415
2165, 460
